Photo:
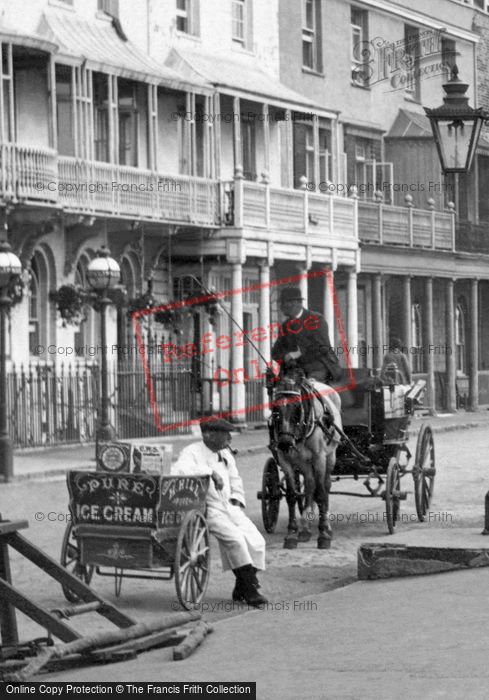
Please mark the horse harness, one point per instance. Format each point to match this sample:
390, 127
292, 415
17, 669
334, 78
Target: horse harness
305, 393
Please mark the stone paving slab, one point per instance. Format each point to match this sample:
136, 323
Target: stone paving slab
423, 551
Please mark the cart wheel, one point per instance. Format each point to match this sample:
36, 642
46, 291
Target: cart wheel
192, 560
70, 559
424, 471
392, 489
270, 495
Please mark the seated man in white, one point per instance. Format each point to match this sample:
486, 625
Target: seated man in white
241, 544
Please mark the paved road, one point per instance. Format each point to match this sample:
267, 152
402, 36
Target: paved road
462, 480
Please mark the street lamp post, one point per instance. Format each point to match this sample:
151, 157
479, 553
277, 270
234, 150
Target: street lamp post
103, 273
456, 126
10, 270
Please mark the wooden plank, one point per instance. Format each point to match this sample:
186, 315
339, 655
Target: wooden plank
8, 526
8, 620
194, 639
101, 639
157, 639
60, 574
40, 615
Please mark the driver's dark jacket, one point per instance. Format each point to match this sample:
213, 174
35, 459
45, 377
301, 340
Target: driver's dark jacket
310, 334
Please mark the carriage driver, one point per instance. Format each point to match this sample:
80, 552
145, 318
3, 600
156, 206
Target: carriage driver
304, 339
241, 544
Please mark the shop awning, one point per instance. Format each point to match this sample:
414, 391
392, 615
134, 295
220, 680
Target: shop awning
240, 75
104, 49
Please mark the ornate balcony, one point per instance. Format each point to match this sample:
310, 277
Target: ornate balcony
385, 224
82, 186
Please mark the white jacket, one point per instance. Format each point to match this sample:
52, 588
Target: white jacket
198, 460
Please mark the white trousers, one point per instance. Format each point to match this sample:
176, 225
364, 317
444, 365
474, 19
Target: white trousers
240, 542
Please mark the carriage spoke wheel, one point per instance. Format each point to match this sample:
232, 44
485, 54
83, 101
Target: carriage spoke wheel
270, 495
392, 493
70, 560
424, 471
192, 560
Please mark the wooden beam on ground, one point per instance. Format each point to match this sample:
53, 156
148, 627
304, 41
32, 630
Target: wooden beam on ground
194, 639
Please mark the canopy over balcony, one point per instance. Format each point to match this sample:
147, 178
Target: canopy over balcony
240, 76
32, 41
104, 48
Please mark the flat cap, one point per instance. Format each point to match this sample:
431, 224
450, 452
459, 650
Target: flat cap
291, 294
213, 424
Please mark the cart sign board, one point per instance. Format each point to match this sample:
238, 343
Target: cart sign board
179, 494
100, 498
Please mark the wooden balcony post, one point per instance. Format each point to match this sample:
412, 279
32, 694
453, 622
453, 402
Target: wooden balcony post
265, 113
265, 178
428, 344
431, 204
409, 203
306, 202
474, 346
451, 208
450, 357
238, 197
377, 322
238, 150
354, 197
406, 314
379, 198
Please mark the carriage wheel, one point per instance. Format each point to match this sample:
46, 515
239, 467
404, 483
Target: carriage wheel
392, 489
192, 560
424, 471
270, 495
70, 560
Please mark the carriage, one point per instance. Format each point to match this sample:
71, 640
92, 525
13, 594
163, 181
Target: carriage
376, 417
137, 525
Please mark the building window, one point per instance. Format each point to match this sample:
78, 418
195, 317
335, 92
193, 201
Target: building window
417, 339
448, 54
101, 117
360, 71
64, 110
324, 155
128, 123
248, 144
187, 16
110, 7
460, 338
34, 310
238, 19
311, 44
411, 61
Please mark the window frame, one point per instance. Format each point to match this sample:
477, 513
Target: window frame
358, 36
311, 36
242, 21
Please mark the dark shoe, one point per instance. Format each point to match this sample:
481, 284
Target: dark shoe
248, 586
238, 596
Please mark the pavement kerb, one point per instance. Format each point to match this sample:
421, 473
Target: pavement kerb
252, 449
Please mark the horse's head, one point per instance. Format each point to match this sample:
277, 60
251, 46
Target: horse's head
287, 412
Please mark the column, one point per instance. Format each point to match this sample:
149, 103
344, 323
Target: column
474, 347
451, 351
428, 345
303, 283
238, 151
352, 310
264, 321
406, 314
238, 394
266, 139
377, 342
329, 304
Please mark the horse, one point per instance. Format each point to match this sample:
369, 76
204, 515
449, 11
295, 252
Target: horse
305, 441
